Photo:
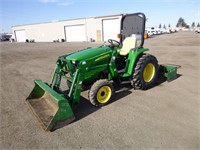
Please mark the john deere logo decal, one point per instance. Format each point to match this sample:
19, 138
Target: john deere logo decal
102, 57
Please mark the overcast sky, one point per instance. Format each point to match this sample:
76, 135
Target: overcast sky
20, 12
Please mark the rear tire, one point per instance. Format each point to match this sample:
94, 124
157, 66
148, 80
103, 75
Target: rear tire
101, 92
145, 72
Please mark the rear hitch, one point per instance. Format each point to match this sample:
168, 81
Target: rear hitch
168, 71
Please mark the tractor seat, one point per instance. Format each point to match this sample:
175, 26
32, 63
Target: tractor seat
128, 44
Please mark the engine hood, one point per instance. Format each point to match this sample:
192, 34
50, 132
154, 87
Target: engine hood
89, 53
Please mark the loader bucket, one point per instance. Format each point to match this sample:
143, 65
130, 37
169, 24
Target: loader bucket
49, 107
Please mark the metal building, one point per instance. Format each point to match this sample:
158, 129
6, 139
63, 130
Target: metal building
97, 29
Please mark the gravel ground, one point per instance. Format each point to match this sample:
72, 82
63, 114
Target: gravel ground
164, 117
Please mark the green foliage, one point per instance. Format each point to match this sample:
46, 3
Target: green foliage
193, 24
181, 23
198, 25
160, 26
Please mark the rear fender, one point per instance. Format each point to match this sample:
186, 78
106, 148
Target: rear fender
132, 57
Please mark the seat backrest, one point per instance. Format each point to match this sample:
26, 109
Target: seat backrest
128, 44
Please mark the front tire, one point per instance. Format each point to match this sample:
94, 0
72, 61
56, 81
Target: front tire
100, 92
145, 72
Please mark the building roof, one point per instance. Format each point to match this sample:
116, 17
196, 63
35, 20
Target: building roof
54, 21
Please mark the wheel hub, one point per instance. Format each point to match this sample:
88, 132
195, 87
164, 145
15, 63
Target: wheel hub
149, 72
104, 94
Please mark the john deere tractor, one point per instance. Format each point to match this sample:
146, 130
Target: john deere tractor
97, 68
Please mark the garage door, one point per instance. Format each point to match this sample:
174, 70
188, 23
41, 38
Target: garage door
20, 36
75, 33
111, 28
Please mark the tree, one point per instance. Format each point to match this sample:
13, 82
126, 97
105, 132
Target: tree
160, 26
164, 26
181, 23
193, 25
198, 25
169, 25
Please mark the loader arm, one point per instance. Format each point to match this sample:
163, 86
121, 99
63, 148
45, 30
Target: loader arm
51, 106
62, 70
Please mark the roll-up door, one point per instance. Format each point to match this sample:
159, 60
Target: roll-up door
20, 36
75, 33
111, 27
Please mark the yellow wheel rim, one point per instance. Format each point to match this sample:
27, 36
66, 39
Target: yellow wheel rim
149, 72
104, 94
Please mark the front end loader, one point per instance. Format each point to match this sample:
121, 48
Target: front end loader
97, 68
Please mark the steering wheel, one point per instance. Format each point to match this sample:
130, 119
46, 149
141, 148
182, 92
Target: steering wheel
113, 42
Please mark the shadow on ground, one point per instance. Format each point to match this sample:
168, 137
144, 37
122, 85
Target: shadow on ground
162, 79
85, 108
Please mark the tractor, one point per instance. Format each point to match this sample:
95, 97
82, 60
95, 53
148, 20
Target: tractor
125, 62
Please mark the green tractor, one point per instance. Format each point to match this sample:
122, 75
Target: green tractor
97, 68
